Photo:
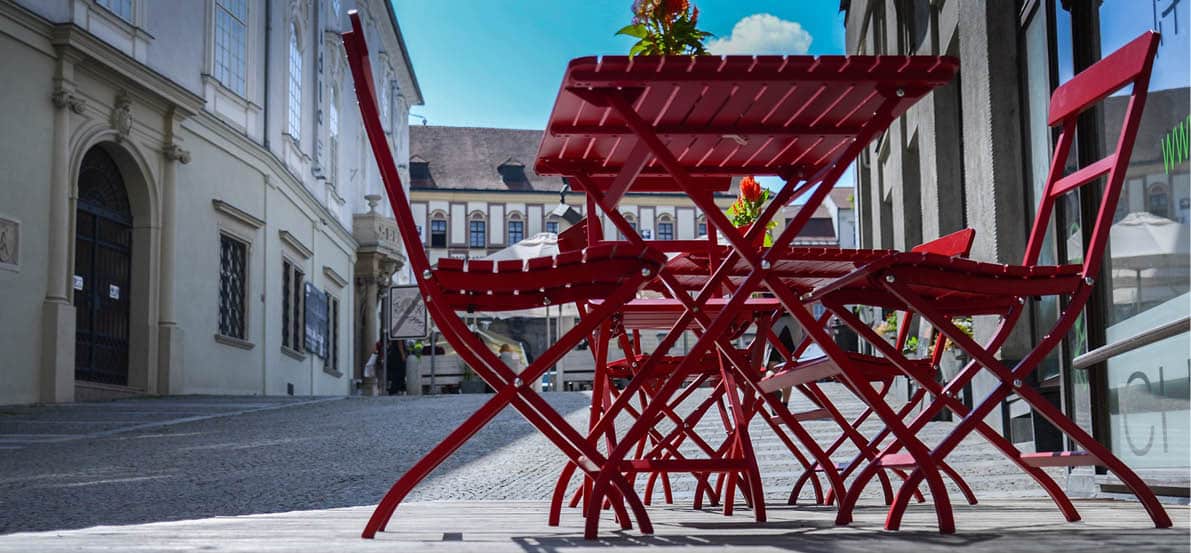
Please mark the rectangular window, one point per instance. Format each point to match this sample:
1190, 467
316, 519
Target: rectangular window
122, 8
702, 229
552, 227
438, 233
516, 231
231, 25
292, 316
232, 285
295, 84
477, 234
665, 231
331, 363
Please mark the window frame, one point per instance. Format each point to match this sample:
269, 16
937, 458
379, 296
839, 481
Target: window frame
244, 286
472, 220
230, 81
106, 6
293, 308
294, 84
514, 217
434, 221
669, 223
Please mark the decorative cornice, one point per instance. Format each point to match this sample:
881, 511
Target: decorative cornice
63, 98
293, 242
237, 214
334, 276
174, 152
148, 85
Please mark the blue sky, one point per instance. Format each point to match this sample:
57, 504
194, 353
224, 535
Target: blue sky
498, 63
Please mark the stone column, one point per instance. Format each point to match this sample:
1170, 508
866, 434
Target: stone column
58, 314
369, 336
169, 334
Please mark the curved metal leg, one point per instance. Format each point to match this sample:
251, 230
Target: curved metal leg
560, 491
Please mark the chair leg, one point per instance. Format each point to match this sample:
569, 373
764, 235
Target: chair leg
384, 510
560, 491
959, 482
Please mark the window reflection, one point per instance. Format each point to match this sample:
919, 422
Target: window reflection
1149, 245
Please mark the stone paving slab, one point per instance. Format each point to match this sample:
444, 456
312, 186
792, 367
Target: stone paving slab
25, 425
495, 527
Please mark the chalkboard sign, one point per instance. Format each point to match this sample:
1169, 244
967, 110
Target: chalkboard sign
316, 321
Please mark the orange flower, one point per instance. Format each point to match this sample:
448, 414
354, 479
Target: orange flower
750, 189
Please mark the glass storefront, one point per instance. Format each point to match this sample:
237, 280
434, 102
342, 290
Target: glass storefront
1138, 401
1149, 412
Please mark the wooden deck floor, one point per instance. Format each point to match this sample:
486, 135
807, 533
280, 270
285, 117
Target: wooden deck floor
493, 527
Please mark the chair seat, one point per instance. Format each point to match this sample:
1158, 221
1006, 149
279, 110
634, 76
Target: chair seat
800, 268
579, 275
867, 367
627, 367
954, 285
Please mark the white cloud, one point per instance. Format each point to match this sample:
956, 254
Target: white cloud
763, 33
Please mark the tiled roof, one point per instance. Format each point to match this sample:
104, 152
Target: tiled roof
476, 158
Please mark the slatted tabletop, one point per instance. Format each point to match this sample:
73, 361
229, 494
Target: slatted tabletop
731, 115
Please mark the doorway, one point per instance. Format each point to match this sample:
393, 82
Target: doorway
103, 267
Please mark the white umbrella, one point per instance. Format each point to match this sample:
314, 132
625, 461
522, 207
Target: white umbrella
543, 244
1150, 256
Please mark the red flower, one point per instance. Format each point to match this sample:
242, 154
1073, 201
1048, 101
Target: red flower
750, 189
674, 8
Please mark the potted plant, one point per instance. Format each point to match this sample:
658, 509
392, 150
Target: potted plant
748, 207
665, 27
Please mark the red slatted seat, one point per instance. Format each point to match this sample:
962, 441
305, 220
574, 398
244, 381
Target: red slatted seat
872, 368
800, 268
590, 273
954, 284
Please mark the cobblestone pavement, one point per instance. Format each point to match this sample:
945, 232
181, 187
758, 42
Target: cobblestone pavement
204, 457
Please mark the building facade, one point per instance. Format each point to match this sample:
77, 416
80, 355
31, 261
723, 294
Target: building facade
975, 154
473, 192
185, 207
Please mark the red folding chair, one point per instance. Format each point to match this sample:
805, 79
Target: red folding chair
939, 288
611, 272
804, 373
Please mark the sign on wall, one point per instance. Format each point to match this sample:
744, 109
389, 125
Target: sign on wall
316, 321
406, 313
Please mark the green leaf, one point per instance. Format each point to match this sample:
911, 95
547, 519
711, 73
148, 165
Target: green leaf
635, 31
639, 48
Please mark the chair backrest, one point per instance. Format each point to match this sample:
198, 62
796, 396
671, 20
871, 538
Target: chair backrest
1130, 65
575, 237
956, 243
357, 57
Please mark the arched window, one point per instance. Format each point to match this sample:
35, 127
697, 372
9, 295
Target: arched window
295, 82
516, 228
665, 227
438, 229
631, 220
701, 226
333, 132
477, 230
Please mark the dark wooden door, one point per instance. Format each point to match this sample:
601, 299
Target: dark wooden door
103, 263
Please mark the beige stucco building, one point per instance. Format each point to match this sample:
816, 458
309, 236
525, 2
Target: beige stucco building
183, 207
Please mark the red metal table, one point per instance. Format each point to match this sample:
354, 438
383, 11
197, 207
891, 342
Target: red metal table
684, 124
